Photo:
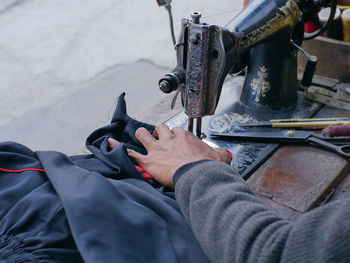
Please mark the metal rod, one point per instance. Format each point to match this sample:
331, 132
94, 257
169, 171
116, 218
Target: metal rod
306, 124
190, 124
312, 119
171, 23
199, 128
300, 49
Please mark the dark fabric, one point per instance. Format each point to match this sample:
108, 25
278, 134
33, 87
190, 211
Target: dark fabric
122, 128
33, 224
89, 208
233, 225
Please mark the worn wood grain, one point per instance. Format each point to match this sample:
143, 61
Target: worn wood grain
283, 211
299, 177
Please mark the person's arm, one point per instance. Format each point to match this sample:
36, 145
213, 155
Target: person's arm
230, 223
233, 225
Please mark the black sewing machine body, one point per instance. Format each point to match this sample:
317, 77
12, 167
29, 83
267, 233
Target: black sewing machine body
261, 37
270, 82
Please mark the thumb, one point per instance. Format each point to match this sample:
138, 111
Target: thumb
226, 155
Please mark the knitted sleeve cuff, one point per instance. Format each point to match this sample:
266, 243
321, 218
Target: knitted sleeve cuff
183, 169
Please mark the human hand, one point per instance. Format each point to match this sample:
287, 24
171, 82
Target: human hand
168, 150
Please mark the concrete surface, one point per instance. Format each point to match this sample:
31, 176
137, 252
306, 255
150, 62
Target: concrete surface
63, 63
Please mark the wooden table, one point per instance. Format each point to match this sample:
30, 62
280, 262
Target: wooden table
299, 178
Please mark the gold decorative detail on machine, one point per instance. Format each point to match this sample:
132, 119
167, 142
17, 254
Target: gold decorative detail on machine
287, 16
260, 86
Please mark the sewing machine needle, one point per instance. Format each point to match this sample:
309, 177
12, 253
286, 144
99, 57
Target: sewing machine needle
199, 128
190, 125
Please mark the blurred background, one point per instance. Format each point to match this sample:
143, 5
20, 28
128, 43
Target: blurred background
63, 63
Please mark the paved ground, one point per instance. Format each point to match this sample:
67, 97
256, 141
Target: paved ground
63, 63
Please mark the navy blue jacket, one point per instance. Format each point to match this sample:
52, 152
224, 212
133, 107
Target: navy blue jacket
89, 208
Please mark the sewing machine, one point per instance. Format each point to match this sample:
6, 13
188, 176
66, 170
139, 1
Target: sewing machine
265, 36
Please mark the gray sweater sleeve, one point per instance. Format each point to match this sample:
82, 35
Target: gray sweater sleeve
233, 225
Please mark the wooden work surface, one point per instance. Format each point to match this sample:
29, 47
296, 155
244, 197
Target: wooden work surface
299, 178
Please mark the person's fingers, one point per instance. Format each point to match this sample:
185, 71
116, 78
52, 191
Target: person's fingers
112, 143
137, 157
226, 155
229, 154
145, 138
178, 131
162, 131
218, 149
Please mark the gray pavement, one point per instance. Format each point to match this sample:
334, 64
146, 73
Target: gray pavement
63, 63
